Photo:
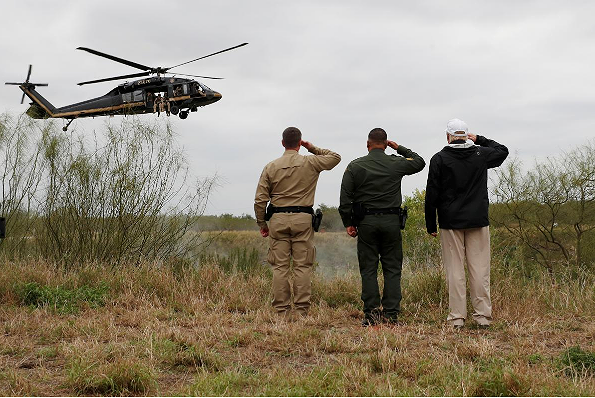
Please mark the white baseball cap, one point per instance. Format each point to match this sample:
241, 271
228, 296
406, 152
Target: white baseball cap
455, 125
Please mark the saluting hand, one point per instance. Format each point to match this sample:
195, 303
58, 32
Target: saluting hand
352, 231
472, 137
307, 145
392, 144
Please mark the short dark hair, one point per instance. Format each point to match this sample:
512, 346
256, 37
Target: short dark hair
292, 137
377, 135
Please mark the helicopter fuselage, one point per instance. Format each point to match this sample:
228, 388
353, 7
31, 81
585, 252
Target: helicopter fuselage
177, 95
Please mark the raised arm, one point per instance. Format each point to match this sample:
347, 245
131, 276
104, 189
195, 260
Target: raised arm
414, 162
495, 157
324, 159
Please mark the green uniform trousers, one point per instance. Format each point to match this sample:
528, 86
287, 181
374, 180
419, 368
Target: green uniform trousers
379, 238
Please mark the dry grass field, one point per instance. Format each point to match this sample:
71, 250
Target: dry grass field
159, 329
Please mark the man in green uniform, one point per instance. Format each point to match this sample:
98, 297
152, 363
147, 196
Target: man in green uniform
370, 209
289, 183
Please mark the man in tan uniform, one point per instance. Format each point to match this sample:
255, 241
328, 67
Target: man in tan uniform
289, 183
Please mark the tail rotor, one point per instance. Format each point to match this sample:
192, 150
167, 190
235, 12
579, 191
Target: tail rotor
27, 84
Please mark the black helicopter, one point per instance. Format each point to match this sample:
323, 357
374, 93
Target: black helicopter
153, 94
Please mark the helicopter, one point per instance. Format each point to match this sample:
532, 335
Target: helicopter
152, 94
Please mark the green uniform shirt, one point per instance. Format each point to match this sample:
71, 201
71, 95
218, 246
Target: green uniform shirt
375, 180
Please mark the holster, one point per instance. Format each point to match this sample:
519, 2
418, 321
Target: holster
270, 211
403, 217
316, 220
358, 211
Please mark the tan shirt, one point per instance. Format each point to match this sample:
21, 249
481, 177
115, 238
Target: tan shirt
291, 180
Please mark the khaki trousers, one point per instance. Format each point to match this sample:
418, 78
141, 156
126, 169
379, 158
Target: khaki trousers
291, 237
473, 244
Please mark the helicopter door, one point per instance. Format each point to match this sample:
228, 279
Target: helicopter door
185, 88
138, 96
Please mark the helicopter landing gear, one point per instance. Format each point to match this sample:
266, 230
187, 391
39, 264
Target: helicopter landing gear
183, 115
174, 110
67, 124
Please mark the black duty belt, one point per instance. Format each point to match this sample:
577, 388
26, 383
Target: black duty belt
388, 210
294, 209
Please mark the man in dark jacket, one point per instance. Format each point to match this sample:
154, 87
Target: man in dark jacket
457, 189
370, 206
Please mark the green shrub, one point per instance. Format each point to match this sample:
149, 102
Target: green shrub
61, 298
577, 362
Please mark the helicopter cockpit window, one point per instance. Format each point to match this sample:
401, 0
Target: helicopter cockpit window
127, 97
178, 90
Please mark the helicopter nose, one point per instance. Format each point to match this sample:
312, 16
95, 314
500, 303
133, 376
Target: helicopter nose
213, 95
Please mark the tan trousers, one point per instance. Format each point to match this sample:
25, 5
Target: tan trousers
291, 236
473, 244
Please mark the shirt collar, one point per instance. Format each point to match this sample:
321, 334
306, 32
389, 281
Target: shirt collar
289, 152
376, 152
461, 145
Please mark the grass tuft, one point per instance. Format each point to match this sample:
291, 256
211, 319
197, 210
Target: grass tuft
123, 377
498, 382
577, 362
60, 298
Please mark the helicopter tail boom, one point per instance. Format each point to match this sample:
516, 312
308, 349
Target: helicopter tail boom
40, 108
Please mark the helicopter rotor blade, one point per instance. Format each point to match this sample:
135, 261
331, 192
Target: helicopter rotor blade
206, 56
203, 77
28, 75
107, 79
117, 59
30, 84
23, 98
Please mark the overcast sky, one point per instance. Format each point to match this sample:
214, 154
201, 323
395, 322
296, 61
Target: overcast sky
519, 72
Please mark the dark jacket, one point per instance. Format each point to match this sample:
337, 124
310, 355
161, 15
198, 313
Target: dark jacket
458, 185
374, 180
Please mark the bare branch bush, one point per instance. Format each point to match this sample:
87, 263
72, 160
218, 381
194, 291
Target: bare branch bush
123, 200
20, 167
550, 208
